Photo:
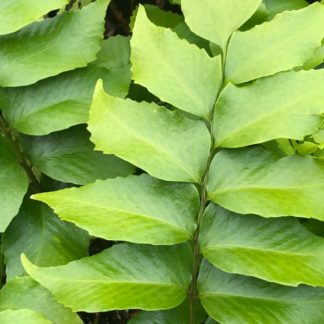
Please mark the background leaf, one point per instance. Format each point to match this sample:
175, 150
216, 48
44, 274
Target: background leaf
13, 183
68, 156
53, 46
53, 242
19, 13
25, 293
22, 316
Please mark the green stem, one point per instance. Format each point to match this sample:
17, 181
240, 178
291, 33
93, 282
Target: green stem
193, 294
22, 159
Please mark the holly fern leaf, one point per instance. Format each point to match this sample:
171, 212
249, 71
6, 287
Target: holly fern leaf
206, 192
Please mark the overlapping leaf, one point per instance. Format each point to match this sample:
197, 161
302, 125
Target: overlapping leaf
175, 75
19, 13
287, 105
277, 250
52, 46
53, 242
179, 315
272, 47
217, 20
164, 143
253, 181
122, 277
23, 293
25, 316
232, 298
68, 156
137, 209
13, 183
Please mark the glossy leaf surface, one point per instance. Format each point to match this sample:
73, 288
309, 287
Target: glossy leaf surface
137, 209
276, 250
232, 298
54, 242
287, 105
122, 277
220, 18
24, 293
53, 46
291, 186
22, 316
19, 13
164, 143
13, 183
68, 156
250, 52
175, 75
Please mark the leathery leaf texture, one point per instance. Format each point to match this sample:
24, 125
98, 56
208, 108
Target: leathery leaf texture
182, 166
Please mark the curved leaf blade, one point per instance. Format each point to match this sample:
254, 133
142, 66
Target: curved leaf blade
287, 105
19, 13
253, 181
68, 156
250, 53
13, 183
137, 209
46, 240
183, 76
238, 299
25, 293
277, 250
122, 277
64, 100
53, 46
22, 316
164, 143
217, 20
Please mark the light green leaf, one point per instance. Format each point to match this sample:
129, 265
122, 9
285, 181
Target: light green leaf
25, 293
52, 46
68, 156
179, 315
122, 277
138, 209
164, 143
217, 20
238, 299
287, 105
62, 101
13, 183
277, 250
19, 13
184, 75
25, 316
263, 50
253, 181
46, 240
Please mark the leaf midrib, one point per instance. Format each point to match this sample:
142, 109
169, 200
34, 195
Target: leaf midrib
269, 250
122, 211
153, 145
